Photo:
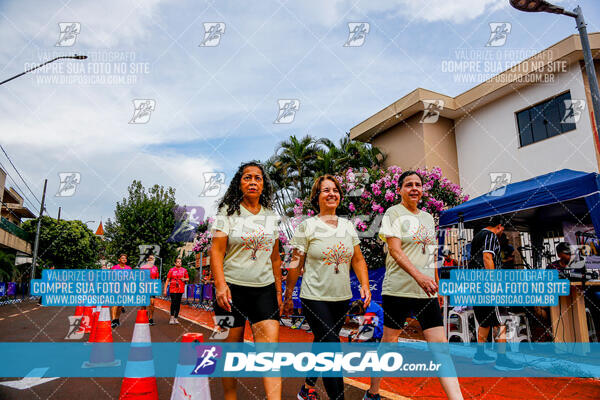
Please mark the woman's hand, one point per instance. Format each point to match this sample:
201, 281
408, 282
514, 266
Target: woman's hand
427, 284
288, 306
223, 296
365, 295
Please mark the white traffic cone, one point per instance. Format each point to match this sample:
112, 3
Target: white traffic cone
140, 381
185, 387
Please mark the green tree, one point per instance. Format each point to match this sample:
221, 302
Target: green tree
65, 244
7, 266
295, 159
143, 217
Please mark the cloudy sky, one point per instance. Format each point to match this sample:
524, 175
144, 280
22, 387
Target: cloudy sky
214, 105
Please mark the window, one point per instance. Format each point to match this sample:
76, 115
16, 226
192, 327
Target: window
544, 120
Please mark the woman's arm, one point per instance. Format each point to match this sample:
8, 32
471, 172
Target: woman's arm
359, 266
425, 282
167, 283
296, 264
217, 255
276, 265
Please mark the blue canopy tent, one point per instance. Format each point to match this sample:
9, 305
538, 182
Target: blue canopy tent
537, 204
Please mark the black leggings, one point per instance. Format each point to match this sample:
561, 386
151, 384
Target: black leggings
175, 304
326, 319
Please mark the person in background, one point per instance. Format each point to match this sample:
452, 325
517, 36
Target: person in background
485, 254
372, 322
448, 260
116, 310
153, 275
563, 252
176, 279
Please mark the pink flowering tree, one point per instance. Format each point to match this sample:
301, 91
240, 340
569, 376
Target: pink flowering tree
368, 193
203, 236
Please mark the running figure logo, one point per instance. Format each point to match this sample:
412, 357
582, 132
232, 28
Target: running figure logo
207, 359
212, 184
498, 182
223, 324
287, 111
75, 333
573, 110
68, 183
498, 33
212, 34
431, 111
142, 110
358, 34
68, 33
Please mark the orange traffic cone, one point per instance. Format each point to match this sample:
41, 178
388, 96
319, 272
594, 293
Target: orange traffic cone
102, 354
184, 386
139, 381
95, 316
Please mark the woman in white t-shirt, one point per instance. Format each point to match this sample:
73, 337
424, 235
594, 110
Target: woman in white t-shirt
410, 285
325, 246
246, 266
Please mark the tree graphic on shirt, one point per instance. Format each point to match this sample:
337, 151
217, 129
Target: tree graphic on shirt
336, 256
255, 241
422, 237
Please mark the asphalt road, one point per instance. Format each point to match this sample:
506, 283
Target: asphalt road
29, 322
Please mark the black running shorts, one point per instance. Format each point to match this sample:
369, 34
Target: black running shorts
397, 309
254, 304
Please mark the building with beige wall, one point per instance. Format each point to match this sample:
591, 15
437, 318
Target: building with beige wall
507, 124
12, 237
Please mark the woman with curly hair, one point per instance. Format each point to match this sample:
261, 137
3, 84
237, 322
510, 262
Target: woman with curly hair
246, 267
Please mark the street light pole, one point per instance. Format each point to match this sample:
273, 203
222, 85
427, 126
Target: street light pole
37, 232
544, 6
75, 57
589, 65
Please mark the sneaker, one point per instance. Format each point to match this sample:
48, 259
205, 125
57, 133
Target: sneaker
307, 394
503, 363
115, 323
171, 320
175, 321
482, 358
369, 396
150, 322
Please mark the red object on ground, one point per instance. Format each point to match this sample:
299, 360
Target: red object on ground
95, 316
86, 320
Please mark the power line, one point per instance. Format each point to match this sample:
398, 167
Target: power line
18, 173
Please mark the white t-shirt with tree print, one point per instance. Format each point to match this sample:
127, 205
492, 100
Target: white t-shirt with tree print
418, 241
250, 241
329, 252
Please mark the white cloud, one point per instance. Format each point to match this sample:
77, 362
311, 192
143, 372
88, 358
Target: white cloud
455, 11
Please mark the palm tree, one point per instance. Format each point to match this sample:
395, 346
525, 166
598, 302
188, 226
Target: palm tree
295, 158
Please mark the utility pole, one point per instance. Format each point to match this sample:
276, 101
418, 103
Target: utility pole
58, 219
37, 233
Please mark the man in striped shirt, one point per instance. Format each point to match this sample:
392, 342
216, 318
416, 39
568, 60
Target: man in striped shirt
485, 254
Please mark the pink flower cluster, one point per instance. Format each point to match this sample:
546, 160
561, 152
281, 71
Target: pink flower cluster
369, 192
